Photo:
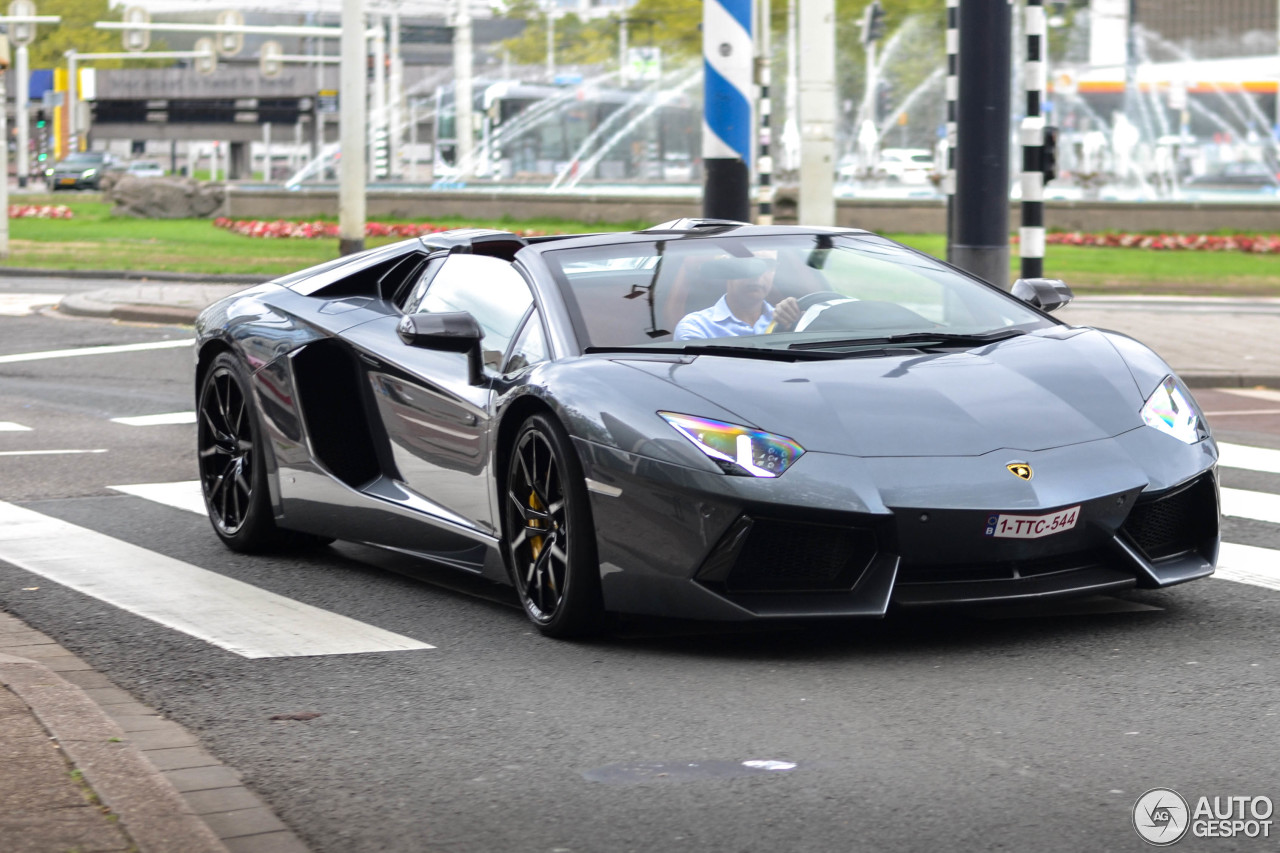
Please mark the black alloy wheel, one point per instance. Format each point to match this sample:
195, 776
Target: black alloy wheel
233, 475
550, 536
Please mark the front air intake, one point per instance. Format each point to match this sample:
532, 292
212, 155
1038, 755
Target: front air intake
1174, 522
783, 556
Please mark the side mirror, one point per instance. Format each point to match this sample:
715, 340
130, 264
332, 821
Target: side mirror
1047, 294
449, 332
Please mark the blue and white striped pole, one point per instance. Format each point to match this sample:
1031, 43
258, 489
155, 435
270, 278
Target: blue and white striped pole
727, 52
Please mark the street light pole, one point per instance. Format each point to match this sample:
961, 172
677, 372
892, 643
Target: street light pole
982, 145
463, 97
817, 113
352, 94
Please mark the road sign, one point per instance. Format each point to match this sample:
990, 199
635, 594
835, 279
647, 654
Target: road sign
139, 39
644, 63
208, 63
22, 32
270, 62
229, 44
327, 101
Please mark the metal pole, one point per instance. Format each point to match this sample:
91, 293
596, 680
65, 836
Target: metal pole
395, 97
622, 48
982, 130
817, 113
378, 119
72, 142
727, 52
953, 94
352, 94
266, 152
764, 167
22, 115
318, 141
791, 127
463, 96
551, 43
1031, 234
4, 174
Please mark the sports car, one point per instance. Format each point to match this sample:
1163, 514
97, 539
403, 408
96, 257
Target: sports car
704, 420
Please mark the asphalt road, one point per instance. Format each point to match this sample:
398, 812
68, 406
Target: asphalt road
1031, 729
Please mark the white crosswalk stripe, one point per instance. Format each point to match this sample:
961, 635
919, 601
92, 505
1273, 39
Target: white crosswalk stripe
22, 304
1258, 506
182, 495
10, 426
1248, 458
1249, 564
227, 613
157, 420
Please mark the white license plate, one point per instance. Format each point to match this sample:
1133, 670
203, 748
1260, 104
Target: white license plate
66, 181
1032, 526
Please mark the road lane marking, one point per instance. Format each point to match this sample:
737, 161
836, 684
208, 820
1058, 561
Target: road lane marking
157, 420
181, 495
1238, 412
1249, 458
1259, 506
1255, 393
1249, 564
106, 350
49, 452
10, 426
232, 615
22, 304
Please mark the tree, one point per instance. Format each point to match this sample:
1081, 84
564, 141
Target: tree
77, 31
577, 42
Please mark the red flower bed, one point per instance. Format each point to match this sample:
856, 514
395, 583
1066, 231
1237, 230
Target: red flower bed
39, 211
311, 230
1258, 244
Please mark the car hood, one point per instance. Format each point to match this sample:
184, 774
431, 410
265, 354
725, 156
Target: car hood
1034, 392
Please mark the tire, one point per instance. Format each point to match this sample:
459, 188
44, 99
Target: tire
556, 572
233, 471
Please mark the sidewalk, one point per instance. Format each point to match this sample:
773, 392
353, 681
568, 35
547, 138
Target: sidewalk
86, 767
1209, 342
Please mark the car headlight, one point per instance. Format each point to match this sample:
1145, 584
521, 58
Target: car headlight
1171, 410
89, 173
737, 449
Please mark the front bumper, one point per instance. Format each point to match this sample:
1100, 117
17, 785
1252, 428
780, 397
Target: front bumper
844, 536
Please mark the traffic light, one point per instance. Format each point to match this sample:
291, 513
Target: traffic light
40, 118
1049, 155
873, 24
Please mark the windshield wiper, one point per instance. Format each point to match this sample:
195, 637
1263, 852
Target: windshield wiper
944, 338
720, 349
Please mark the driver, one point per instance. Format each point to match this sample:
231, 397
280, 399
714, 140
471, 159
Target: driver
743, 309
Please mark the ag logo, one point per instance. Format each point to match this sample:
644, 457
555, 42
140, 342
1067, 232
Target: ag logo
1161, 816
1020, 469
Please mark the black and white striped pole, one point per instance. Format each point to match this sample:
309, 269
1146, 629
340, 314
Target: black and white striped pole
953, 95
1031, 234
764, 158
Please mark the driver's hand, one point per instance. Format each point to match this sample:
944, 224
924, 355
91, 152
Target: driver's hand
786, 314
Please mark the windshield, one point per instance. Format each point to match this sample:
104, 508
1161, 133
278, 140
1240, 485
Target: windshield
776, 292
83, 158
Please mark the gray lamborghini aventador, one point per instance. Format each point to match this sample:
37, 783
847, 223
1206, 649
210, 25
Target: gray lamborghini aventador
704, 420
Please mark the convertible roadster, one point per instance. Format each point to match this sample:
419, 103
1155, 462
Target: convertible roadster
704, 420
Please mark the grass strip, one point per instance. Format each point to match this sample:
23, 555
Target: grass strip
96, 240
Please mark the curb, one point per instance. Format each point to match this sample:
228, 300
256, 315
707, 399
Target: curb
150, 809
1193, 379
136, 275
168, 793
160, 314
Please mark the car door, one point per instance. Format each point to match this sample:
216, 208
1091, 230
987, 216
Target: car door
436, 421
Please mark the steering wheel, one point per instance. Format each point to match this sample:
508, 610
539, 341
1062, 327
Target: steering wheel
811, 299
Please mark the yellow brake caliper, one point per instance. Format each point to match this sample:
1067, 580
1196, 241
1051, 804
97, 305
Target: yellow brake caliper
535, 542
